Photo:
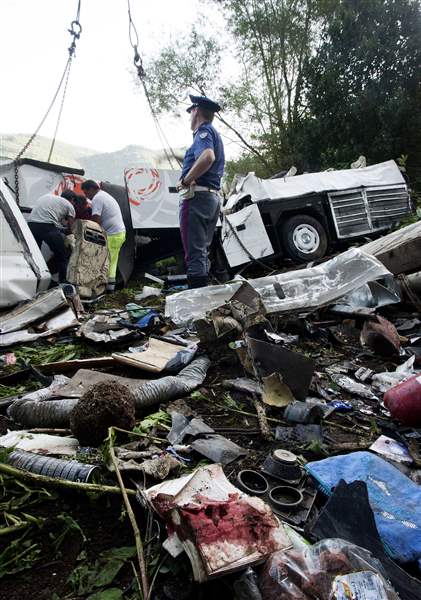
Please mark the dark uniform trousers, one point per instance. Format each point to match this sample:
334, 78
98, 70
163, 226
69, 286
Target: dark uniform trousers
198, 219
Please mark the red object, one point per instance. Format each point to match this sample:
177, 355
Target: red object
404, 401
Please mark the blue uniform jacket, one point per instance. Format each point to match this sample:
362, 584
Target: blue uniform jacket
205, 137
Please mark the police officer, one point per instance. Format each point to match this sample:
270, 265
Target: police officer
199, 187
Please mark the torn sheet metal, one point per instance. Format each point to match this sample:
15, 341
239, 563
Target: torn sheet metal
244, 230
369, 297
400, 250
40, 443
154, 358
300, 290
217, 448
60, 322
296, 369
220, 528
206, 442
182, 426
33, 311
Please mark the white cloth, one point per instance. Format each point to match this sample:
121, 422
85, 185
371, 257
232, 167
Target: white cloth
51, 209
108, 210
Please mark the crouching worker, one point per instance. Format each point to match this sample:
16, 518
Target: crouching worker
50, 214
106, 212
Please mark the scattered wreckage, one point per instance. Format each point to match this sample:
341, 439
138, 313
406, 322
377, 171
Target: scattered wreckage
263, 433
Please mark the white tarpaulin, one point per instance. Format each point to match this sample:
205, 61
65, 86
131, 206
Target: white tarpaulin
382, 174
23, 271
299, 290
152, 196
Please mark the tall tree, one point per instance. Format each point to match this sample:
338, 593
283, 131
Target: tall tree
271, 41
364, 84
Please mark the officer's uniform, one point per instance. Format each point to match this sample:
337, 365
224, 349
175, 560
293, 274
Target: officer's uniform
199, 214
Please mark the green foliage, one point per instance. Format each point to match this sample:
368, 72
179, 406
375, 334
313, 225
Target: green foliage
316, 83
87, 578
109, 594
176, 70
22, 530
198, 396
69, 525
364, 84
229, 401
158, 419
18, 555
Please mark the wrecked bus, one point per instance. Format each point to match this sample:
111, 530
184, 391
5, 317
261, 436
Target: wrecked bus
299, 217
302, 216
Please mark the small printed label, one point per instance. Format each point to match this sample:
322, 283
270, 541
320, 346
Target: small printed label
364, 585
203, 135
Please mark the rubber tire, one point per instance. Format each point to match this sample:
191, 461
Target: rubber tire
291, 250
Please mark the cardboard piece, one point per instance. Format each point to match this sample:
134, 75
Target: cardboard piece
154, 359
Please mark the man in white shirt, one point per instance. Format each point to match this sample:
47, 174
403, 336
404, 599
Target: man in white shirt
106, 212
48, 216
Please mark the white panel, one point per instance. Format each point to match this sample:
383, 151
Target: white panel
152, 205
18, 281
250, 230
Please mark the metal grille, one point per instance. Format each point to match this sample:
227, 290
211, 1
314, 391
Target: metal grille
361, 211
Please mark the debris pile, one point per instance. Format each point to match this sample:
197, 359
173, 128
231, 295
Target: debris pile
261, 439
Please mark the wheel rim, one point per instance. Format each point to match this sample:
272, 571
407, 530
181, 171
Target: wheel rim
306, 238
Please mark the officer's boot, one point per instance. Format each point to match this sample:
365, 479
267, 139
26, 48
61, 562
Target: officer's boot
197, 281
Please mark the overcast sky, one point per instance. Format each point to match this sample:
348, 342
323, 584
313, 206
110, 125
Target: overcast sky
103, 110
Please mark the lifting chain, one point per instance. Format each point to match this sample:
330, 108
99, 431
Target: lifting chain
137, 61
75, 31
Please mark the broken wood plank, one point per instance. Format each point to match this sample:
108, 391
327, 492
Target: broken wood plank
399, 251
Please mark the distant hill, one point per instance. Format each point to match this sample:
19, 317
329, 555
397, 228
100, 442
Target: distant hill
104, 166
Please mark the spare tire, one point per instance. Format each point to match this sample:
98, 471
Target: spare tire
304, 238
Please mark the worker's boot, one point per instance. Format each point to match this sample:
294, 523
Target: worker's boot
197, 281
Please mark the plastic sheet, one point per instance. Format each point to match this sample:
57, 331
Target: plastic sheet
320, 571
394, 498
298, 290
347, 515
172, 386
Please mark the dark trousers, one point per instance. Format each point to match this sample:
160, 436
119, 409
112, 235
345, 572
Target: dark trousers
198, 218
51, 235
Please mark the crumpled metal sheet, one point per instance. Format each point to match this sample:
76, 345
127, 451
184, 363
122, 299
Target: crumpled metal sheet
299, 290
33, 311
60, 322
